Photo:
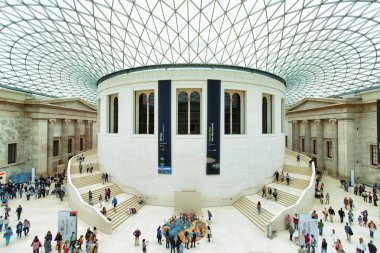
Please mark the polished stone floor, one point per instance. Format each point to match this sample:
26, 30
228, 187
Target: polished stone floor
232, 232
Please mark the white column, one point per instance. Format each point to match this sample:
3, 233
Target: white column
307, 137
334, 140
296, 136
320, 145
50, 146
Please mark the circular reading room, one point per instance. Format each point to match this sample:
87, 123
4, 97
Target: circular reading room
202, 129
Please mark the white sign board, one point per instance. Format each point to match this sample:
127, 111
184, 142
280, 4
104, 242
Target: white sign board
67, 223
307, 225
3, 177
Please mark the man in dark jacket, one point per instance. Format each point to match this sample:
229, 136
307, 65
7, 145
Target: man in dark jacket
341, 215
331, 214
371, 247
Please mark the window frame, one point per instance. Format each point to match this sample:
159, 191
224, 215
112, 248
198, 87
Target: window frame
315, 146
112, 124
56, 150
329, 149
14, 156
270, 111
231, 93
302, 144
137, 94
373, 154
81, 143
189, 91
70, 145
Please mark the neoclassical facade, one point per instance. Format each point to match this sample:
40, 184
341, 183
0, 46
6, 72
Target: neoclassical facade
338, 134
43, 133
215, 130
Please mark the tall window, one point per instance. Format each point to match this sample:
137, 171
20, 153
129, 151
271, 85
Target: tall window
267, 114
314, 147
286, 141
55, 147
189, 111
12, 153
373, 155
70, 146
144, 112
113, 114
302, 144
329, 149
233, 112
282, 115
81, 144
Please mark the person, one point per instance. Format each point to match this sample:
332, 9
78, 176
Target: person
193, 238
307, 242
291, 232
181, 247
167, 244
333, 237
144, 245
313, 243
58, 239
275, 194
19, 229
298, 158
372, 228
360, 246
208, 233
345, 202
26, 227
172, 244
19, 211
331, 214
7, 235
209, 215
338, 246
36, 245
90, 196
320, 227
276, 174
287, 178
269, 193
322, 187
348, 231
114, 203
264, 192
1, 223
325, 214
324, 246
258, 207
327, 197
341, 215
371, 247
47, 244
100, 200
295, 221
159, 235
137, 234
104, 211
350, 217
288, 220
360, 220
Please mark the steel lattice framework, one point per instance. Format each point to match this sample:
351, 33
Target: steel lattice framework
62, 47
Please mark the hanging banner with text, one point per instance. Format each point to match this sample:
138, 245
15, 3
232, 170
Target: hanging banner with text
213, 127
67, 224
307, 224
164, 127
378, 134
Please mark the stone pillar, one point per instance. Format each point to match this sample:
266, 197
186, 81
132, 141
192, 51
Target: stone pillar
77, 137
307, 137
87, 135
296, 136
334, 140
320, 145
65, 141
50, 136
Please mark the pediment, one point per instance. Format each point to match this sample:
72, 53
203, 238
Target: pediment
74, 104
312, 103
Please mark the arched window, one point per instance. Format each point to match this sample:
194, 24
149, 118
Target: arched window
265, 115
189, 111
115, 115
233, 112
144, 112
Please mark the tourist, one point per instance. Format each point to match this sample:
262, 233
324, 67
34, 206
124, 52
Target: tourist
209, 215
365, 217
58, 239
333, 237
264, 192
320, 227
327, 197
298, 158
181, 247
104, 211
324, 246
269, 193
275, 194
178, 243
36, 245
144, 245
288, 220
325, 214
295, 221
19, 229
348, 231
186, 239
159, 235
287, 178
137, 234
338, 246
307, 242
26, 227
360, 246
322, 187
90, 196
277, 175
291, 232
114, 203
1, 223
66, 247
341, 215
168, 239
7, 235
193, 238
360, 220
258, 207
19, 211
332, 214
350, 217
345, 202
47, 244
100, 200
371, 247
172, 244
313, 243
208, 233
372, 228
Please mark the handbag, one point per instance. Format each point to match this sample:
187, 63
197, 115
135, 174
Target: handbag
56, 247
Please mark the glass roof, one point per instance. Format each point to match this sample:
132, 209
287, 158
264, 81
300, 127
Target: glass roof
62, 47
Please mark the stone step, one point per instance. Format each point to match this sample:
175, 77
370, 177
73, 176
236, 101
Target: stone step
87, 180
306, 171
283, 198
115, 190
294, 182
75, 168
121, 215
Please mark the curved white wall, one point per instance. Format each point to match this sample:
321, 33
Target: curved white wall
246, 160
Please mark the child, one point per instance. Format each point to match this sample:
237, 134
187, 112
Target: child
360, 220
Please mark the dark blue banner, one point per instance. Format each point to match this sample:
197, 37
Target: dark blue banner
378, 134
213, 127
164, 127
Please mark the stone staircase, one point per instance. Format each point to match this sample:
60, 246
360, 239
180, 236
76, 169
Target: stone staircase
249, 209
283, 198
120, 215
294, 182
297, 170
87, 179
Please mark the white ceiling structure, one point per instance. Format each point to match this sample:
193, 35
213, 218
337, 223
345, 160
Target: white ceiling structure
62, 47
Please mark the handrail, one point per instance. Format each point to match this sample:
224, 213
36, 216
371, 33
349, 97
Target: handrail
277, 221
86, 212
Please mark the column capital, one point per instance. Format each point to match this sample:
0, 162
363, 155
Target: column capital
89, 122
67, 121
305, 122
79, 121
333, 121
52, 120
295, 122
317, 121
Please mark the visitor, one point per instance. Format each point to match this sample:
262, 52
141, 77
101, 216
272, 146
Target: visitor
320, 227
1, 223
264, 192
104, 211
295, 221
100, 198
360, 220
186, 239
172, 244
360, 246
291, 232
19, 229
372, 228
338, 246
341, 215
350, 217
322, 187
58, 240
269, 193
137, 234
351, 202
327, 197
209, 215
345, 202
178, 243
275, 194
181, 247
19, 211
208, 233
287, 178
325, 214
36, 245
333, 237
144, 245
7, 235
313, 243
159, 235
47, 245
114, 203
307, 242
371, 247
140, 201
258, 207
90, 196
288, 220
193, 238
348, 231
298, 157
168, 239
276, 174
324, 246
